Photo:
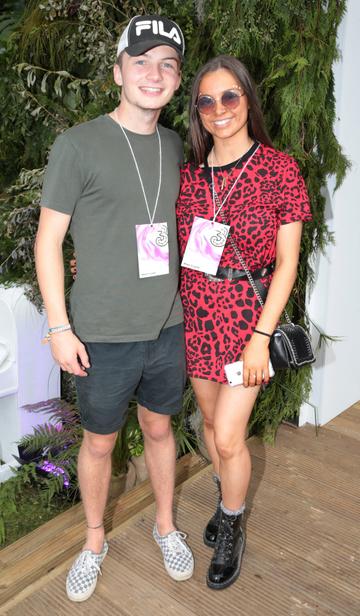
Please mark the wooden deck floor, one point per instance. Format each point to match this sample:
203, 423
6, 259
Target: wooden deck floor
303, 541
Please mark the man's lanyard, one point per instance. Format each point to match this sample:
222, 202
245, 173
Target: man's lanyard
151, 217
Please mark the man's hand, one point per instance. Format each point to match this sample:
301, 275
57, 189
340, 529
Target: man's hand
69, 353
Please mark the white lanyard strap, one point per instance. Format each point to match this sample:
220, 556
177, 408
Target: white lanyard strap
151, 217
221, 203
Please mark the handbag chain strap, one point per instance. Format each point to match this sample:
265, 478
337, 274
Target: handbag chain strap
243, 264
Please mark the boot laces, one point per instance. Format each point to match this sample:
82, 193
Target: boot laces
225, 538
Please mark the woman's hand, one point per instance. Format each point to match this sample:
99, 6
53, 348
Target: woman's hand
256, 361
73, 269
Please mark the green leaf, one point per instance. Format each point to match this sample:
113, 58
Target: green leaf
43, 83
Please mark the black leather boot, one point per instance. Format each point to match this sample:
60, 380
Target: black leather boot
212, 527
225, 565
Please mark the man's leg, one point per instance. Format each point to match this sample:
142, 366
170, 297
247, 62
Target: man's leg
94, 472
103, 398
160, 456
161, 390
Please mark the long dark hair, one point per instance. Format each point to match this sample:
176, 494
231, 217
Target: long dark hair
201, 141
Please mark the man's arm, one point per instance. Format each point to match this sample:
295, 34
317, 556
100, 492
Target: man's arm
66, 348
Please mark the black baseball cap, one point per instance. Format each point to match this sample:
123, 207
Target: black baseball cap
144, 32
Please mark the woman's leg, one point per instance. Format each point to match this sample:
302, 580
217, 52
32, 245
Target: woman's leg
233, 409
232, 413
206, 393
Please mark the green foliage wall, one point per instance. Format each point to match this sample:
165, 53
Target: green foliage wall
56, 68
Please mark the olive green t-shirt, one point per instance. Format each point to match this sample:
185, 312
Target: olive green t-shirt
91, 176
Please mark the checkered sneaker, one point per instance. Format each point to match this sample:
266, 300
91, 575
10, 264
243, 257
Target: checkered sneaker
82, 577
178, 558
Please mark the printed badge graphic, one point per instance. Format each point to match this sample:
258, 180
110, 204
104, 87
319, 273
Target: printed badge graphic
153, 249
219, 238
205, 245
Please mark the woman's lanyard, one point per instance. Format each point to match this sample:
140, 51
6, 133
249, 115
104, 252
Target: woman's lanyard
207, 238
215, 197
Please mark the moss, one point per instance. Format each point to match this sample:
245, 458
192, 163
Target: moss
31, 512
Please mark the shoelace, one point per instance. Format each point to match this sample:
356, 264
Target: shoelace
225, 541
86, 561
177, 543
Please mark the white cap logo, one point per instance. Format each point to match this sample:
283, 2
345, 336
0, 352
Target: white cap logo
157, 27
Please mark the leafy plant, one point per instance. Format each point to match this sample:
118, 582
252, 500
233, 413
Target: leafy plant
132, 436
185, 436
11, 12
58, 441
27, 500
9, 491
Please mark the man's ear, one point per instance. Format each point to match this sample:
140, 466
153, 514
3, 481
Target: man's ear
179, 82
117, 75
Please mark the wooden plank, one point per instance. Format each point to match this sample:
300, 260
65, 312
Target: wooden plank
345, 426
310, 463
48, 546
352, 413
134, 595
331, 440
312, 490
327, 442
56, 603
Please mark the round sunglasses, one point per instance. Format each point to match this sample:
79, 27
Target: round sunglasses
230, 99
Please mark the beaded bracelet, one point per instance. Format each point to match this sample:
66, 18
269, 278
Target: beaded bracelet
58, 329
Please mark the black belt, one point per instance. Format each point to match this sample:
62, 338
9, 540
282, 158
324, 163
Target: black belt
228, 273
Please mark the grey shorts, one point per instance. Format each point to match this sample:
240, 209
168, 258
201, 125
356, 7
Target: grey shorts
153, 372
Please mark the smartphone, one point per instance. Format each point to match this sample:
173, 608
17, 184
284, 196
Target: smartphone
234, 372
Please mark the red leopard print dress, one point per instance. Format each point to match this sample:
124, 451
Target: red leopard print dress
220, 316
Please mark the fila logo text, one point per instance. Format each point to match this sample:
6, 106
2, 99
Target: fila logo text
157, 27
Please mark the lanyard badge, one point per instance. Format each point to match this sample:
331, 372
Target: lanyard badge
151, 239
205, 245
153, 249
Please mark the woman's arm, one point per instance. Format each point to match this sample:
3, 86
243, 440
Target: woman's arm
256, 353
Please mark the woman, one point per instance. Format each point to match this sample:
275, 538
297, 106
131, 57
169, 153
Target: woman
237, 179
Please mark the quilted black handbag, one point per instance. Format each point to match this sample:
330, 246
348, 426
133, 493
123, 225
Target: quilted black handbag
290, 345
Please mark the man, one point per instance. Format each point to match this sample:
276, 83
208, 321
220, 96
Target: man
116, 179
